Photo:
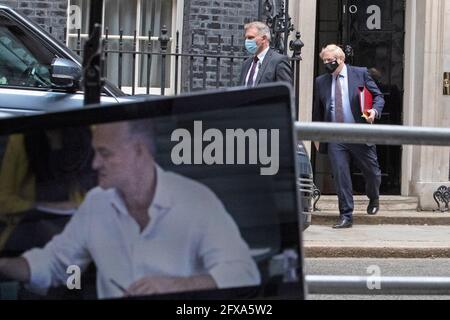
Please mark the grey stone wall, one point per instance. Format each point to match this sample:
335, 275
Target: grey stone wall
47, 13
211, 18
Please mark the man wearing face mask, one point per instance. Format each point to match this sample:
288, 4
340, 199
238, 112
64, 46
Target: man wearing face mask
336, 99
266, 65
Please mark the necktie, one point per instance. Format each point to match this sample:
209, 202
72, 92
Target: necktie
338, 110
250, 81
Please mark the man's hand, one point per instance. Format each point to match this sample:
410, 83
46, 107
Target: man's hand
372, 116
161, 285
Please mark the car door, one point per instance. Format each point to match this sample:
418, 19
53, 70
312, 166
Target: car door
25, 62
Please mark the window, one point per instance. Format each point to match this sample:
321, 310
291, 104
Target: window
24, 62
140, 16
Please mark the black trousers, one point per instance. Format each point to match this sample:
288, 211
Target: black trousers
365, 157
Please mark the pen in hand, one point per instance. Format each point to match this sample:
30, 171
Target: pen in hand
118, 286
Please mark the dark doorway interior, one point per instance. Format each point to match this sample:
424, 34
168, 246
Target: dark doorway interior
375, 31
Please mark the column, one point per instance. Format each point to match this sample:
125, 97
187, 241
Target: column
303, 13
427, 56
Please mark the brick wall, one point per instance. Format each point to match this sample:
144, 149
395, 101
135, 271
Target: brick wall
212, 18
47, 13
209, 18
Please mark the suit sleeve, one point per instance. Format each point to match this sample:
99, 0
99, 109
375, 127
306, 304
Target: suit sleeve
284, 71
318, 115
378, 98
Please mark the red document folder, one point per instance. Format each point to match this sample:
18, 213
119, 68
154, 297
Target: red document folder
366, 102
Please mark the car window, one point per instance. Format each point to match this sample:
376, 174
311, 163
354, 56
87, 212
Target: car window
24, 61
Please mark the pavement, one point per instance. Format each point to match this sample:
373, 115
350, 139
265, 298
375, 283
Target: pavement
398, 231
378, 241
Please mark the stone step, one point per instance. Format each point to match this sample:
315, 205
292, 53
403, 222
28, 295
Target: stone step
387, 241
387, 203
411, 217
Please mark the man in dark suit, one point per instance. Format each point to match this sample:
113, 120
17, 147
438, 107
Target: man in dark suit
266, 65
336, 99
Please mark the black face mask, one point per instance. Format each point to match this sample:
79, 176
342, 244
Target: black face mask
331, 66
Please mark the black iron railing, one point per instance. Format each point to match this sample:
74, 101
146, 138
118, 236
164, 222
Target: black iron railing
196, 68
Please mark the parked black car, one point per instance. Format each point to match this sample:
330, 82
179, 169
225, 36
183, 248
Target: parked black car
37, 72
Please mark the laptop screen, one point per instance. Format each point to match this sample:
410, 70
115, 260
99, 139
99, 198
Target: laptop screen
185, 197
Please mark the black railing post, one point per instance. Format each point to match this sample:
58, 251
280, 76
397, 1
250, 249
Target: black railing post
205, 60
163, 41
149, 60
120, 58
78, 50
133, 72
219, 51
105, 49
231, 60
92, 58
92, 67
191, 64
177, 51
286, 27
95, 15
296, 46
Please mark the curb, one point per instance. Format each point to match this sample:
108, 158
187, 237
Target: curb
375, 252
387, 203
381, 220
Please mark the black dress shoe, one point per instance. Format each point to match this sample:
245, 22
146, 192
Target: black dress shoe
373, 207
344, 224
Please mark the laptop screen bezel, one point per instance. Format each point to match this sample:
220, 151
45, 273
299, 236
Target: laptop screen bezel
154, 107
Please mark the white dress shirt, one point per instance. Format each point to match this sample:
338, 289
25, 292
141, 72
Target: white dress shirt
190, 233
261, 57
348, 114
343, 78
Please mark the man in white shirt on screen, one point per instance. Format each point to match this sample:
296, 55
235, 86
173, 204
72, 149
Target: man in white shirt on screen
147, 231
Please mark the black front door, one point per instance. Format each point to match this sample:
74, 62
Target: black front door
374, 31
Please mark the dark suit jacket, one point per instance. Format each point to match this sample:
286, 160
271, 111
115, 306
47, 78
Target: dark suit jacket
275, 67
357, 78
